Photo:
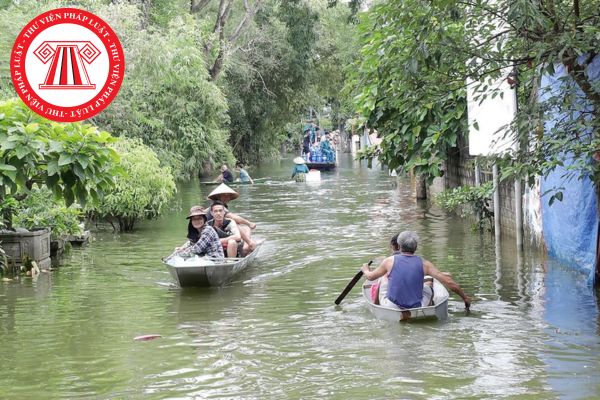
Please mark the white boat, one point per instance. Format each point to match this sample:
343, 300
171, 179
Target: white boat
439, 309
204, 272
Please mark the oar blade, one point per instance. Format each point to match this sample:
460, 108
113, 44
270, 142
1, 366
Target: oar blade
349, 287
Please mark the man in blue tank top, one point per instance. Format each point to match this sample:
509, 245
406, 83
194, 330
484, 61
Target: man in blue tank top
405, 275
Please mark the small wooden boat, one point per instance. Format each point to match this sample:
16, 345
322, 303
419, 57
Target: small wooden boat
439, 309
204, 272
257, 180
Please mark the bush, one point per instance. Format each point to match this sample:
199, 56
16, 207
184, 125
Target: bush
142, 192
39, 209
465, 200
73, 160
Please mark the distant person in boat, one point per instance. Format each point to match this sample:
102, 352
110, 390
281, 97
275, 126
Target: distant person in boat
300, 170
202, 238
225, 194
406, 273
226, 175
244, 176
227, 230
336, 139
306, 142
326, 149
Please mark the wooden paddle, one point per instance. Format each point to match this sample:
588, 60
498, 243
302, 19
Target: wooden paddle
350, 285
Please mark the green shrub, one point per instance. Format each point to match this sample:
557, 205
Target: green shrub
142, 192
39, 209
465, 200
73, 160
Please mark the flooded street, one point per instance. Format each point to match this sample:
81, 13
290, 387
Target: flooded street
275, 333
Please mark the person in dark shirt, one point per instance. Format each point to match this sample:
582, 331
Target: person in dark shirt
226, 175
306, 142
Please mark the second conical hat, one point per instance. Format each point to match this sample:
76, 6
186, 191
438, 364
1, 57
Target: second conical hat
223, 193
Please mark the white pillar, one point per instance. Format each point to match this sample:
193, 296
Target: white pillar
496, 201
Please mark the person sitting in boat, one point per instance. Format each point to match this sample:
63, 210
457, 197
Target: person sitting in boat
244, 176
202, 238
327, 150
406, 272
300, 169
379, 289
225, 194
227, 230
226, 175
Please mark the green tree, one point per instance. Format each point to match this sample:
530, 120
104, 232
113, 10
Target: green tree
269, 86
143, 191
453, 40
405, 85
73, 160
168, 99
336, 50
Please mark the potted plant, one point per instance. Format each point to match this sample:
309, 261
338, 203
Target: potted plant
72, 160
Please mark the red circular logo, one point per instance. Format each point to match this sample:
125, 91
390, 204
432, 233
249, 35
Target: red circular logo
67, 65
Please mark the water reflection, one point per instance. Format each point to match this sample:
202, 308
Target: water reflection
570, 350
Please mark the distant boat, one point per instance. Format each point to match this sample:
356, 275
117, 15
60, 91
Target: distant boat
257, 180
438, 310
321, 165
204, 272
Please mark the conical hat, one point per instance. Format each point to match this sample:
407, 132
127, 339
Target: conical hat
223, 193
299, 160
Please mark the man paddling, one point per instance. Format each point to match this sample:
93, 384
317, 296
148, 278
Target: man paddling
405, 275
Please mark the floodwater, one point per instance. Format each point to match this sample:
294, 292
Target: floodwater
275, 333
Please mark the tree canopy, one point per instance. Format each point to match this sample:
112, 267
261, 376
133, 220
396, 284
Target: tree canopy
210, 81
428, 49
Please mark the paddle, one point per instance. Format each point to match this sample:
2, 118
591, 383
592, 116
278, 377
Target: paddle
165, 259
350, 285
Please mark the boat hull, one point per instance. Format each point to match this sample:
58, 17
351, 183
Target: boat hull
321, 166
439, 310
199, 272
234, 183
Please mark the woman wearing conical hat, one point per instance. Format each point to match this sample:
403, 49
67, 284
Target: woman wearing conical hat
300, 169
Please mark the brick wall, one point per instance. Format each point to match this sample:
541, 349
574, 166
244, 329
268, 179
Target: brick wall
460, 170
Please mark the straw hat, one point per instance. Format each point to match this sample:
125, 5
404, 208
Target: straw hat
195, 211
299, 160
223, 193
